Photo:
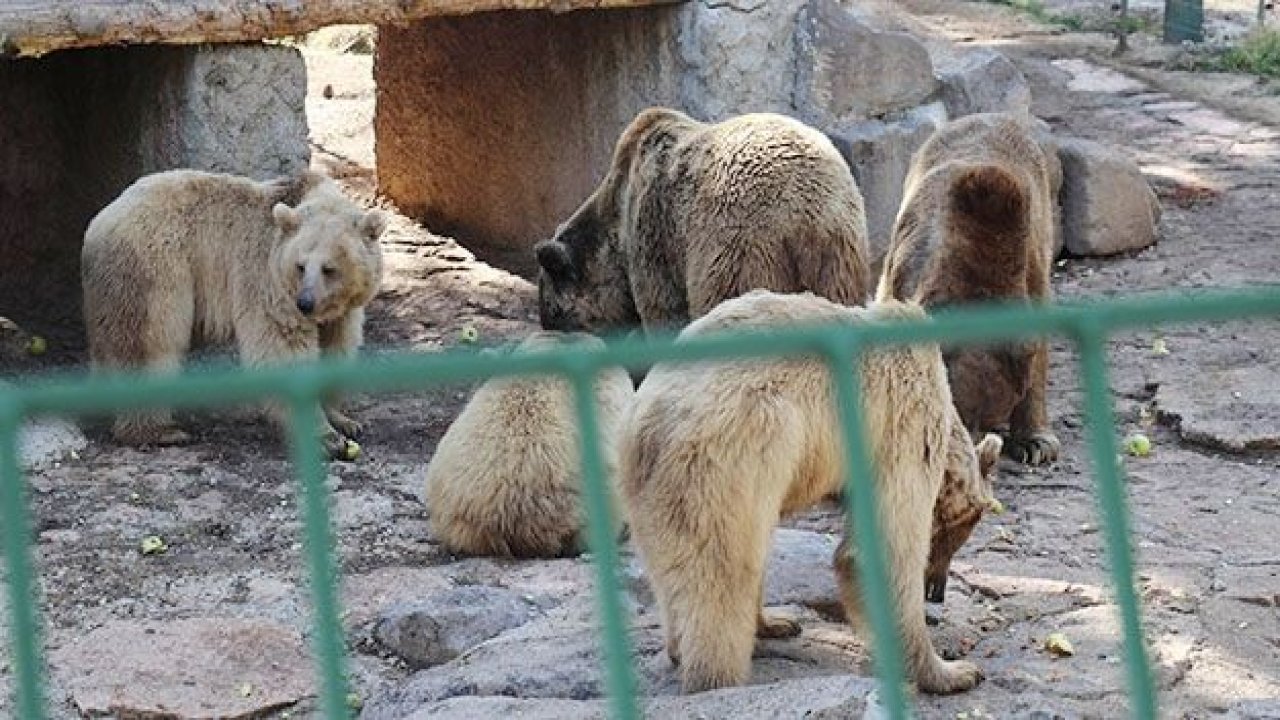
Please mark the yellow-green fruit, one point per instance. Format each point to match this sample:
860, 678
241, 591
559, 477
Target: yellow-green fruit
152, 545
37, 345
1059, 645
1138, 445
351, 450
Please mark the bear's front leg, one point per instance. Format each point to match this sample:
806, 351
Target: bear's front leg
264, 343
342, 338
1031, 440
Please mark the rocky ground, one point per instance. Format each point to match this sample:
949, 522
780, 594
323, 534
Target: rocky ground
217, 625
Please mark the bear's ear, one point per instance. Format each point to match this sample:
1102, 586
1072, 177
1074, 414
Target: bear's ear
373, 224
989, 452
553, 256
286, 218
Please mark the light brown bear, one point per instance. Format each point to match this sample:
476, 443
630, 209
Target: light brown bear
713, 454
691, 213
186, 256
506, 478
976, 224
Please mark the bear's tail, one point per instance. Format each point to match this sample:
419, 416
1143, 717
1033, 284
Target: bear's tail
988, 203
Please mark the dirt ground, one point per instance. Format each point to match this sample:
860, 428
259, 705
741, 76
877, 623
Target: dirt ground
1206, 510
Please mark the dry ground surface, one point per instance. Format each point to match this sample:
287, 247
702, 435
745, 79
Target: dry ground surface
124, 628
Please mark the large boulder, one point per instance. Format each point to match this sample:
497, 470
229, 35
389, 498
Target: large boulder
194, 668
879, 152
981, 81
1107, 205
846, 69
446, 624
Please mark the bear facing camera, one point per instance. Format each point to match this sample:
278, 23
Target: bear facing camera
282, 269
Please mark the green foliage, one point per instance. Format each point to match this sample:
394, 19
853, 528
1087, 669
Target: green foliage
1258, 54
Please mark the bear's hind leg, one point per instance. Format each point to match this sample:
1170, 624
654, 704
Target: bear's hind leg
156, 426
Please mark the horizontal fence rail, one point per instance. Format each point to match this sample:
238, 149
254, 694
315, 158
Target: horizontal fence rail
300, 386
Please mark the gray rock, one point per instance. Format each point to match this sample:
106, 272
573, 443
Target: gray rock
46, 441
1234, 408
833, 696
846, 70
446, 624
733, 56
800, 570
981, 81
232, 108
879, 152
196, 668
1107, 205
1254, 710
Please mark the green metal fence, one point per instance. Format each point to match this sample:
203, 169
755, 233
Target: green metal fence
1088, 324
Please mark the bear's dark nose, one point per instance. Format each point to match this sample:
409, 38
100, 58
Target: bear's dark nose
306, 304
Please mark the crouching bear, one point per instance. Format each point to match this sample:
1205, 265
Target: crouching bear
691, 213
281, 268
714, 453
506, 478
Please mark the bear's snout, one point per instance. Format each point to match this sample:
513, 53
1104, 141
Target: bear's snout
306, 303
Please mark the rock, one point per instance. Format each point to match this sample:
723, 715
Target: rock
736, 56
1231, 407
446, 624
195, 668
46, 441
1107, 205
233, 108
1254, 710
982, 81
879, 152
847, 70
800, 570
835, 696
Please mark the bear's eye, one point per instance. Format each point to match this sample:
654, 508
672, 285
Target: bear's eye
302, 269
329, 271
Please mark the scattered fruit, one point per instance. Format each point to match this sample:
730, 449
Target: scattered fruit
153, 545
37, 345
469, 334
1159, 348
995, 506
351, 450
1138, 445
354, 702
1059, 645
246, 690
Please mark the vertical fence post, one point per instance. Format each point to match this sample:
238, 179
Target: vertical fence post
862, 513
620, 679
309, 465
1100, 422
23, 628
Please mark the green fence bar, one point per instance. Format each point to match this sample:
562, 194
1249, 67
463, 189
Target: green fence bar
862, 522
620, 677
24, 626
1101, 428
300, 387
308, 463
